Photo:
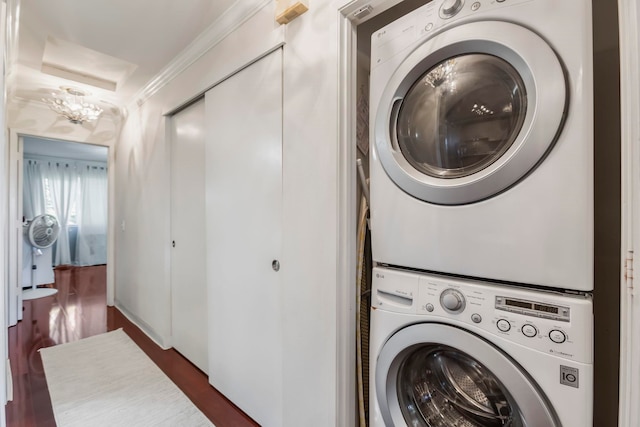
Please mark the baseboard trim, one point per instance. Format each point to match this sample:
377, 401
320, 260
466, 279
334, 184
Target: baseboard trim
143, 326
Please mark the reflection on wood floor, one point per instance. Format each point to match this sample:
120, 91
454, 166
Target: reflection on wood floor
78, 311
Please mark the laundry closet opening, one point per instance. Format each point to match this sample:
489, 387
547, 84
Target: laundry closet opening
599, 269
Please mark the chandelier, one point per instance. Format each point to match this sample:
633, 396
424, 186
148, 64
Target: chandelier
69, 102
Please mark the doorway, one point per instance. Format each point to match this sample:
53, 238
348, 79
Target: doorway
71, 181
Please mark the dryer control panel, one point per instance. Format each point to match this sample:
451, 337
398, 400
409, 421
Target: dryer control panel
551, 322
428, 20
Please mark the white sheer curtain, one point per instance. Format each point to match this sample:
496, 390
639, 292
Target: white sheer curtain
34, 204
33, 194
76, 193
63, 186
91, 247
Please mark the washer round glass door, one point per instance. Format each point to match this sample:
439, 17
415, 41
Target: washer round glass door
435, 375
470, 112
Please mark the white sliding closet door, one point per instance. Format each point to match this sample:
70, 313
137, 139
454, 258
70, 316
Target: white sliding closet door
188, 272
244, 233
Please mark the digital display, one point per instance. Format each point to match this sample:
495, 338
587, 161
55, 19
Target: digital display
545, 308
532, 308
517, 303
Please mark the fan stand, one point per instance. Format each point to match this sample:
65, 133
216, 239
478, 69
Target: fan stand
36, 292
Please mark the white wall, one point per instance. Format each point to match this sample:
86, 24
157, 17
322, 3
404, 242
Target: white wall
142, 220
310, 245
35, 118
310, 163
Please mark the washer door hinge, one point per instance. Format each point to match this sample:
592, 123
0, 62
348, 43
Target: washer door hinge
628, 270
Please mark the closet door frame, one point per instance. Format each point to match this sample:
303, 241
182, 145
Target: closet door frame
629, 375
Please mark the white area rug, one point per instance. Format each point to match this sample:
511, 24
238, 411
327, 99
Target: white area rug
107, 380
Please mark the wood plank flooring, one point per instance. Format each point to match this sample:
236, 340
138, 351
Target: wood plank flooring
78, 311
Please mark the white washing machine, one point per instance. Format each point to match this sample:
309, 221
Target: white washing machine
453, 352
482, 141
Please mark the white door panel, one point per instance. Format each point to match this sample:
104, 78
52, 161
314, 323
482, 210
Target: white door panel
188, 273
244, 233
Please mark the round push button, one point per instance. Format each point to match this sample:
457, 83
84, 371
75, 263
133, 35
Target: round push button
429, 307
529, 331
476, 318
557, 336
503, 325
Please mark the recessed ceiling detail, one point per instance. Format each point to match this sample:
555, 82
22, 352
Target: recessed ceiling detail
72, 61
119, 50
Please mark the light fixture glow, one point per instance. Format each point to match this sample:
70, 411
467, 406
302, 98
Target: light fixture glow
69, 102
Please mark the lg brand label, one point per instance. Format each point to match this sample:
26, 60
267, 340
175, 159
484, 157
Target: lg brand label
569, 376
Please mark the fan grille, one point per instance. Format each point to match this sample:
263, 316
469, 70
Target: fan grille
43, 231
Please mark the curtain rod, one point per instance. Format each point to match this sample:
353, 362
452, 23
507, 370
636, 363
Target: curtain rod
59, 160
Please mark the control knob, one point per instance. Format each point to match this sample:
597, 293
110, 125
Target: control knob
450, 7
452, 301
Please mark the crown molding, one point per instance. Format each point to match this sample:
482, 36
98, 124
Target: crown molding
230, 20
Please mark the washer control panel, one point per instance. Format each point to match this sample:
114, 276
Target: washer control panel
533, 308
551, 322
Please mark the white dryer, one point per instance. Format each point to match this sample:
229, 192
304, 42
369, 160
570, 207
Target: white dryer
450, 352
482, 141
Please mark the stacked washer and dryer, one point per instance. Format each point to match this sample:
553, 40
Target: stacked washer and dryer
482, 215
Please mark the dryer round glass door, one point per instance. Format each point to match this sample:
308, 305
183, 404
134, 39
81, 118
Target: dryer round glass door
436, 375
470, 112
461, 115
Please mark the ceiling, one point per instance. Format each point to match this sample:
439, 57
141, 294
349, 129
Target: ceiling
110, 48
63, 149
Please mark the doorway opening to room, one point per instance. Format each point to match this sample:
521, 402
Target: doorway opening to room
64, 210
60, 208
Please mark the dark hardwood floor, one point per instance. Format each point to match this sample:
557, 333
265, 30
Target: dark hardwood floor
78, 311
